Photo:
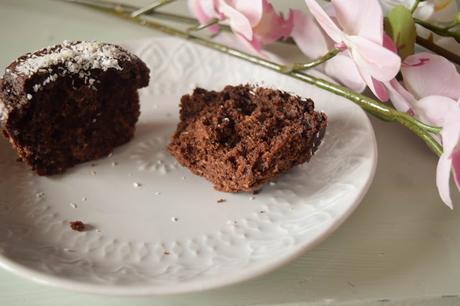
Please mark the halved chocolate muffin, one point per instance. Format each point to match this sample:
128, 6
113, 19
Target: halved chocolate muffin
244, 136
70, 103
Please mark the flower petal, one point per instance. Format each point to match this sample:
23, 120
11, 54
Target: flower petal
445, 10
308, 36
378, 88
325, 21
438, 11
376, 60
456, 166
401, 99
427, 74
238, 21
253, 10
436, 110
364, 20
342, 68
424, 10
450, 139
204, 11
380, 91
443, 179
389, 43
272, 26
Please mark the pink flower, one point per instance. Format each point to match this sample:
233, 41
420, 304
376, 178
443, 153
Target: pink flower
341, 67
433, 95
255, 21
362, 35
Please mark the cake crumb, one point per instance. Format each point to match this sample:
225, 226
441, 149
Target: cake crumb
157, 193
77, 226
114, 164
137, 185
166, 253
221, 201
40, 195
84, 199
174, 219
73, 205
252, 198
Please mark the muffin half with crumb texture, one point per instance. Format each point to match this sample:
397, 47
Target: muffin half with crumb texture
244, 136
70, 103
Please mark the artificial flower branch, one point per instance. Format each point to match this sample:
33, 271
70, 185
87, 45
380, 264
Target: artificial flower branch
414, 7
122, 7
150, 8
200, 27
311, 64
442, 31
370, 105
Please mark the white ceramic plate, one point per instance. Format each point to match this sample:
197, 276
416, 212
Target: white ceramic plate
169, 235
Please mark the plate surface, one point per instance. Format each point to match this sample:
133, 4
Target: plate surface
158, 229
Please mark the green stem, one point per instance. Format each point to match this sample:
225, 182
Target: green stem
314, 63
439, 30
453, 24
203, 26
151, 7
370, 105
414, 7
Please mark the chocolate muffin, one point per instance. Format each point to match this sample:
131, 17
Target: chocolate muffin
70, 103
244, 136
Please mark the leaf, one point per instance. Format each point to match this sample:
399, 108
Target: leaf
400, 25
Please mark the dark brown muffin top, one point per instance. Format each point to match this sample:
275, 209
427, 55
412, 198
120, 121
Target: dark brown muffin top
83, 60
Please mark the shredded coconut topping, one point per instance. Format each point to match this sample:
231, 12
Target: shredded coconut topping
78, 58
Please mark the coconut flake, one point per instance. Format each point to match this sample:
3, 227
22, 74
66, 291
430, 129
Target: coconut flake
74, 58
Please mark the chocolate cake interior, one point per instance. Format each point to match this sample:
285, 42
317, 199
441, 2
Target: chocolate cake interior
243, 136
